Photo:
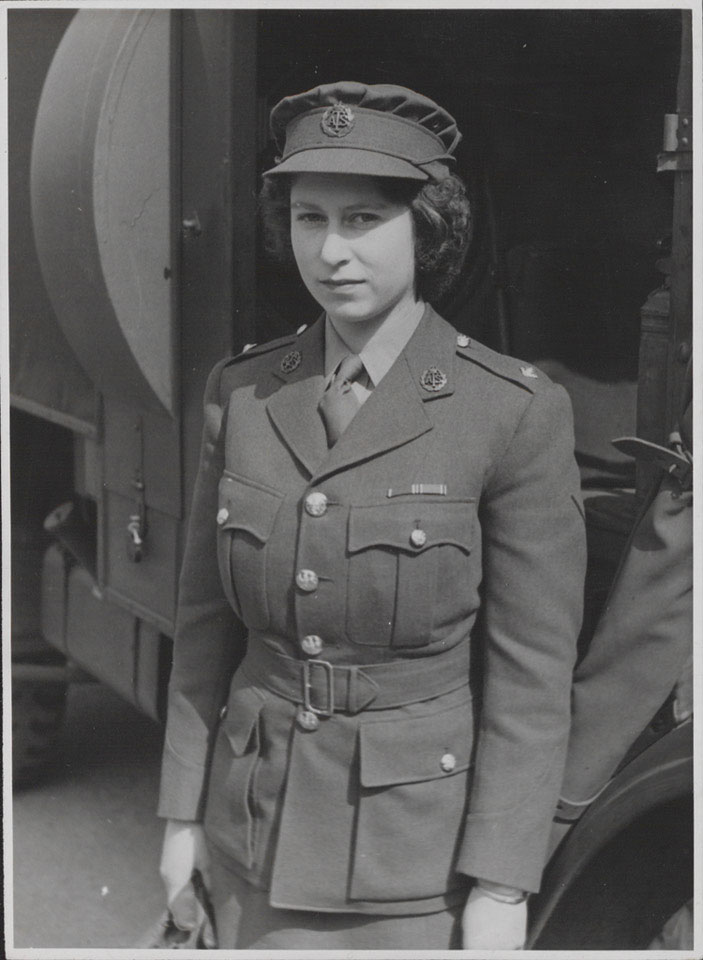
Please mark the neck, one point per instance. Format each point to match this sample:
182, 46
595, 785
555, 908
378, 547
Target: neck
357, 334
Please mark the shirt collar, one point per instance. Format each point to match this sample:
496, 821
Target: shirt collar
382, 349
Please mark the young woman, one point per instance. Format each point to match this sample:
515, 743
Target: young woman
382, 584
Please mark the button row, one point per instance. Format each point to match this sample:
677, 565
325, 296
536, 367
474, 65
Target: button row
315, 506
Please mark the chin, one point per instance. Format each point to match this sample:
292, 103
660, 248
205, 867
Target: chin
352, 313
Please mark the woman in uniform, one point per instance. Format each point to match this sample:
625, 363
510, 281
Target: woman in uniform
382, 584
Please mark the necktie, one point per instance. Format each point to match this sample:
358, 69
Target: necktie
339, 403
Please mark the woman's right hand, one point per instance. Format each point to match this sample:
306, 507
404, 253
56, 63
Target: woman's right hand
184, 850
489, 924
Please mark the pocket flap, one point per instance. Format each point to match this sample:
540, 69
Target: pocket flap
412, 526
240, 734
412, 749
246, 506
241, 721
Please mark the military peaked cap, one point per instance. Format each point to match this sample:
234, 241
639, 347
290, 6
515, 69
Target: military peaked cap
380, 130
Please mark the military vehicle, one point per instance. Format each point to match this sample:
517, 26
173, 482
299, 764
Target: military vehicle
136, 139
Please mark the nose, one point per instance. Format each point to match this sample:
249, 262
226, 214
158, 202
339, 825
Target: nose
335, 249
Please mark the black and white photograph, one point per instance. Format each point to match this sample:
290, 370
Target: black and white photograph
348, 386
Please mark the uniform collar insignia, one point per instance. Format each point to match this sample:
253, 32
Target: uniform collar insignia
291, 361
433, 379
431, 356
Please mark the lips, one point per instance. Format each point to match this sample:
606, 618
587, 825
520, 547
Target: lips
340, 283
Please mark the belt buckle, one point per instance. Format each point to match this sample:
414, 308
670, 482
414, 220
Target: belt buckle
328, 710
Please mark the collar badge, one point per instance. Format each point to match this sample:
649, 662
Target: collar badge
291, 361
463, 341
433, 379
338, 120
529, 372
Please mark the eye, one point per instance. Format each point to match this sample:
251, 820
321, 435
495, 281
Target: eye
309, 218
364, 218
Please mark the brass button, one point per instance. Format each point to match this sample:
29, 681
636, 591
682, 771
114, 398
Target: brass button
316, 504
448, 762
418, 538
307, 720
307, 580
222, 515
223, 712
312, 645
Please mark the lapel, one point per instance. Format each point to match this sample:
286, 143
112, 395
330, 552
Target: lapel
293, 407
395, 412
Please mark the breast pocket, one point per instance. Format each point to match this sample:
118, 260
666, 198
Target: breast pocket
400, 554
246, 515
414, 782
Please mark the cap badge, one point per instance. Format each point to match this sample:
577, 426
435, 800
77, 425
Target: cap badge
337, 120
433, 379
291, 361
529, 372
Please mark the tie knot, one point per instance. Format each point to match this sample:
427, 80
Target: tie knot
350, 368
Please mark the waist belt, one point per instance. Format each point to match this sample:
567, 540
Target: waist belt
325, 689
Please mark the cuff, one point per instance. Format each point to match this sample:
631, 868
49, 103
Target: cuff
183, 789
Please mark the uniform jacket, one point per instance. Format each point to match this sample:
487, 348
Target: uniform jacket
365, 814
643, 642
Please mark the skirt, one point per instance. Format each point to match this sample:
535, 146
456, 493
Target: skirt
245, 920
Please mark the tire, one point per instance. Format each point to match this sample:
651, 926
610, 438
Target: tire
631, 892
38, 708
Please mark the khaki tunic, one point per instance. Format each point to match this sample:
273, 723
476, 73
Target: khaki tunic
384, 810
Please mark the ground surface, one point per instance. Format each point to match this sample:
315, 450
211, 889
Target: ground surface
86, 839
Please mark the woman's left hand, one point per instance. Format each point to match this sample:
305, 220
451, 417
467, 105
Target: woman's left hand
488, 924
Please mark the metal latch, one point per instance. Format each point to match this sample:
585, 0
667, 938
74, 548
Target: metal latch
137, 526
677, 143
135, 542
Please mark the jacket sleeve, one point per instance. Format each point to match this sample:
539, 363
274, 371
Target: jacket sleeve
534, 569
209, 639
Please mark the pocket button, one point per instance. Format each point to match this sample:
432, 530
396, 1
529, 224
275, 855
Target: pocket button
448, 762
222, 515
418, 538
223, 712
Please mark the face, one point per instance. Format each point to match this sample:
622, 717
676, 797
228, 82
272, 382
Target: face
355, 248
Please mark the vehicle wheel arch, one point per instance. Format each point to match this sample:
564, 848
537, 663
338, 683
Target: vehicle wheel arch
644, 811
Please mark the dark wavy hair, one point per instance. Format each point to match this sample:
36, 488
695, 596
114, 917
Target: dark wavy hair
441, 215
